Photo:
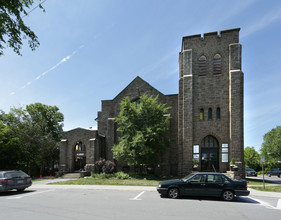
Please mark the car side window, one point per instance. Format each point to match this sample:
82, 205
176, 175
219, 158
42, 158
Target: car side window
195, 179
198, 179
225, 180
215, 179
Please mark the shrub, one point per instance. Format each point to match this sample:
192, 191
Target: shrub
105, 166
122, 175
108, 167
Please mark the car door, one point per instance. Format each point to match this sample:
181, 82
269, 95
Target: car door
196, 185
214, 185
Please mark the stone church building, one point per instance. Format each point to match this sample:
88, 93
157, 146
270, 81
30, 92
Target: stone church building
206, 125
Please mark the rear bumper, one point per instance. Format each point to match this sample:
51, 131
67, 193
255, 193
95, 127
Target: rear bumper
4, 188
242, 192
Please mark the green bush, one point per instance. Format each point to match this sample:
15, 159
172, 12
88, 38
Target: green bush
122, 175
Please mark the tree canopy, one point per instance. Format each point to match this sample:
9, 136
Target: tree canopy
142, 125
28, 137
252, 158
12, 27
271, 147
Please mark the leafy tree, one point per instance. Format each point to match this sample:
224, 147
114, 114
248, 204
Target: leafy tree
271, 147
12, 28
11, 150
252, 158
38, 128
142, 125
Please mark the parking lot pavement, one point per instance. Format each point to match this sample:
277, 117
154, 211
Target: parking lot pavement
125, 204
267, 199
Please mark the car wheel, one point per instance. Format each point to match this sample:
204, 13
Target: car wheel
279, 175
227, 195
173, 193
269, 175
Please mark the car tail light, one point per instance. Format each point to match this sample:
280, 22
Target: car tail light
246, 186
7, 181
29, 179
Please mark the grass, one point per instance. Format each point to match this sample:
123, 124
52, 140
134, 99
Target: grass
110, 181
119, 178
257, 182
267, 188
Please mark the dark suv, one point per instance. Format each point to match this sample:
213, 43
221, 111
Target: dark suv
274, 172
14, 179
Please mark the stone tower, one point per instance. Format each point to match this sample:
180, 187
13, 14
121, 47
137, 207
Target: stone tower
210, 103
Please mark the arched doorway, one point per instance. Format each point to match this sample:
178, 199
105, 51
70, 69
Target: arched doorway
79, 156
209, 154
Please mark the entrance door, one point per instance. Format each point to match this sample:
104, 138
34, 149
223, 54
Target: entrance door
209, 154
79, 156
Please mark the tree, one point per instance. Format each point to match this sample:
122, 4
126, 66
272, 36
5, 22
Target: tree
252, 158
11, 150
38, 127
12, 28
271, 147
142, 125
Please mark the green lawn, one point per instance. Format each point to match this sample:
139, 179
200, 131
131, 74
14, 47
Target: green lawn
110, 181
268, 188
257, 182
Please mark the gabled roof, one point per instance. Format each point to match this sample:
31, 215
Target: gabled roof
140, 86
75, 129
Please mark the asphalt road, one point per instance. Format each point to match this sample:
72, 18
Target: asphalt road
273, 179
66, 203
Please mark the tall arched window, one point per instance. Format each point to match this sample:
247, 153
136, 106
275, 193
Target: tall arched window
210, 114
201, 114
218, 113
202, 66
217, 64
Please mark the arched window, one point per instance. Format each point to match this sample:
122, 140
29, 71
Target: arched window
217, 64
210, 114
218, 113
201, 114
202, 65
79, 147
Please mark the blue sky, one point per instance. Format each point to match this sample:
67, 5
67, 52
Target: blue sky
91, 49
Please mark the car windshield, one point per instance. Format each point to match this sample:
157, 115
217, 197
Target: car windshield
187, 177
250, 169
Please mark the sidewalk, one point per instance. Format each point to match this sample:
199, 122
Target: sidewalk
254, 192
43, 184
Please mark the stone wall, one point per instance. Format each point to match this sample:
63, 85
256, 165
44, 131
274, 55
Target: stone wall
203, 91
111, 109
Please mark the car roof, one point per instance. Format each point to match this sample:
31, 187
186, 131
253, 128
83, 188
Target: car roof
212, 173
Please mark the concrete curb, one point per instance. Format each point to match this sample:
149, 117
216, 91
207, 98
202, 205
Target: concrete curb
94, 187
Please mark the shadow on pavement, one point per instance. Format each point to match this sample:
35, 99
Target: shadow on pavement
242, 199
14, 192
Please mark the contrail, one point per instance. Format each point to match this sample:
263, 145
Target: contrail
49, 70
